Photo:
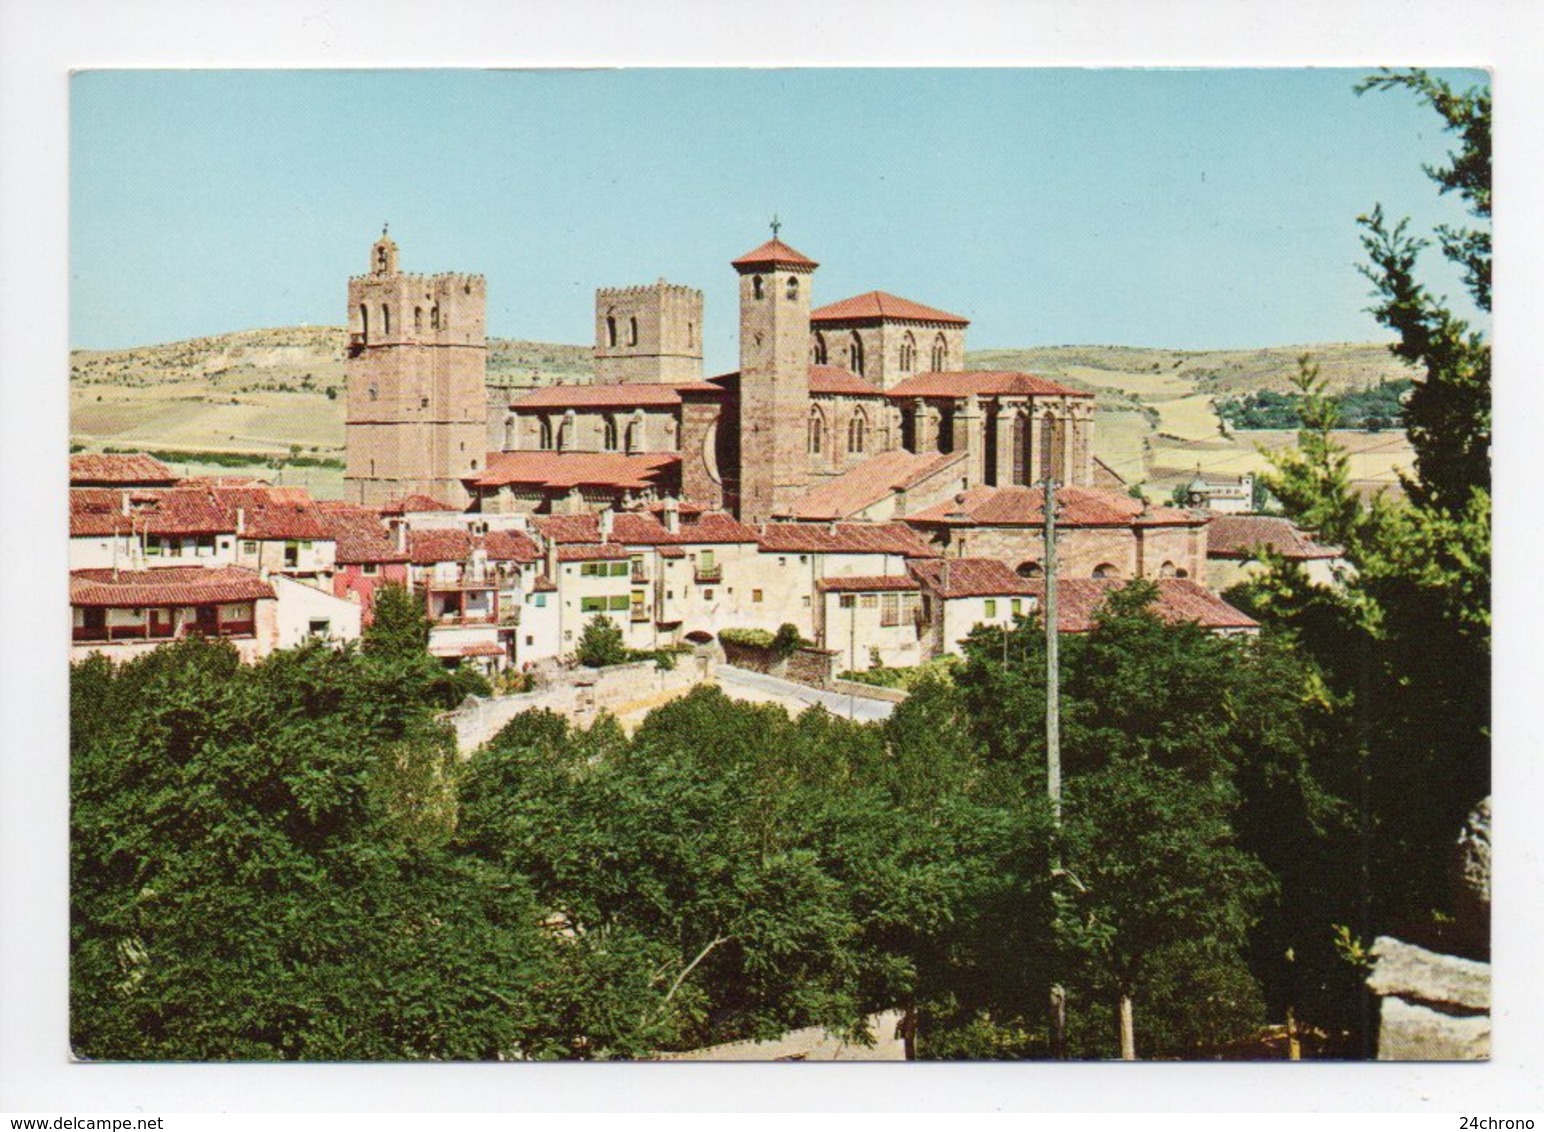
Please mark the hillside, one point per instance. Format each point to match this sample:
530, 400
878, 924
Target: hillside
276, 393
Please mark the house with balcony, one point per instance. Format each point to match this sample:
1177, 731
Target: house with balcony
122, 614
366, 554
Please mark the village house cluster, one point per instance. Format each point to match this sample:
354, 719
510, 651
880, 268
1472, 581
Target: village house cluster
852, 479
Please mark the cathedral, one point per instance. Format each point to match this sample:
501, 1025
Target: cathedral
857, 409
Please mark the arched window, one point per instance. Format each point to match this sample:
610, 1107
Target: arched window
756, 286
545, 437
1022, 438
940, 354
418, 320
1106, 570
566, 433
611, 331
817, 430
434, 317
691, 336
364, 323
1053, 448
857, 431
1029, 570
609, 440
793, 287
375, 391
908, 353
634, 436
632, 331
509, 434
818, 355
385, 321
1166, 570
855, 354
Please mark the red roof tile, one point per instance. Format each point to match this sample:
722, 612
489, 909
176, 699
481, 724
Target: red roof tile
774, 251
640, 529
97, 511
561, 470
415, 502
634, 395
510, 546
873, 583
170, 585
983, 383
424, 548
484, 648
845, 495
119, 469
843, 538
591, 551
1179, 600
880, 305
185, 511
359, 533
1021, 506
970, 577
271, 512
1240, 536
835, 380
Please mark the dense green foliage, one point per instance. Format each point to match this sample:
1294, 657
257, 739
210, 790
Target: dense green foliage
1405, 644
1373, 408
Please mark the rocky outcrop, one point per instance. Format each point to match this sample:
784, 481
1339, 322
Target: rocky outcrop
1435, 1007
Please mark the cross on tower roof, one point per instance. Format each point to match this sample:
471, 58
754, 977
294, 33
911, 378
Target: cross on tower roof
776, 224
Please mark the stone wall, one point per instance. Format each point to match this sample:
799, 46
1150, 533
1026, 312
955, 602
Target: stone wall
1435, 1007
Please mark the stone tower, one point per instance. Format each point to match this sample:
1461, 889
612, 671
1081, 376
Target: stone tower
775, 285
648, 334
417, 360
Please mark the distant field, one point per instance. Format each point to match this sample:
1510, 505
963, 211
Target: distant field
263, 391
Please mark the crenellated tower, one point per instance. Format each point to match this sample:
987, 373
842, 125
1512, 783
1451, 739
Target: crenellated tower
648, 334
417, 359
775, 282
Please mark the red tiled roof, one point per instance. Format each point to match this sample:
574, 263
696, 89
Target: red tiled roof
359, 533
835, 380
1240, 536
552, 470
485, 648
970, 577
845, 495
424, 548
591, 551
271, 512
774, 251
983, 383
843, 538
185, 511
884, 306
415, 502
510, 546
1179, 600
125, 469
1021, 506
544, 585
634, 395
633, 528
168, 585
873, 583
96, 511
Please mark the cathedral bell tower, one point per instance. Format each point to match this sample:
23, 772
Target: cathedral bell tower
416, 368
774, 377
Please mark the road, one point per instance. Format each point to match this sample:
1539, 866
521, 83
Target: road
756, 687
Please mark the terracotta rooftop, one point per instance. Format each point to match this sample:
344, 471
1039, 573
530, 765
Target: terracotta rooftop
591, 551
273, 512
415, 502
1021, 506
554, 470
510, 546
169, 585
425, 548
632, 528
970, 577
482, 648
774, 251
872, 583
836, 380
1179, 600
359, 533
96, 511
1240, 536
880, 305
843, 538
983, 383
184, 511
91, 469
634, 395
845, 495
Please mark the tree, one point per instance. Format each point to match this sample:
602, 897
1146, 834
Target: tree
1405, 645
601, 644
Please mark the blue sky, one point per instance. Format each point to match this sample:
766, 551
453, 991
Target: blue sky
1184, 209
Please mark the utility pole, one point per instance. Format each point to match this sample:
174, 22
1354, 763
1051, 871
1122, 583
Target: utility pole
1058, 1004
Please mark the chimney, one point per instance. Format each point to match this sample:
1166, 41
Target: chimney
552, 559
125, 503
673, 515
604, 524
401, 531
241, 520
943, 579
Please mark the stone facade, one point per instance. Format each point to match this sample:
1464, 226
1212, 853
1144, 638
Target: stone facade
890, 351
416, 413
1086, 552
649, 333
